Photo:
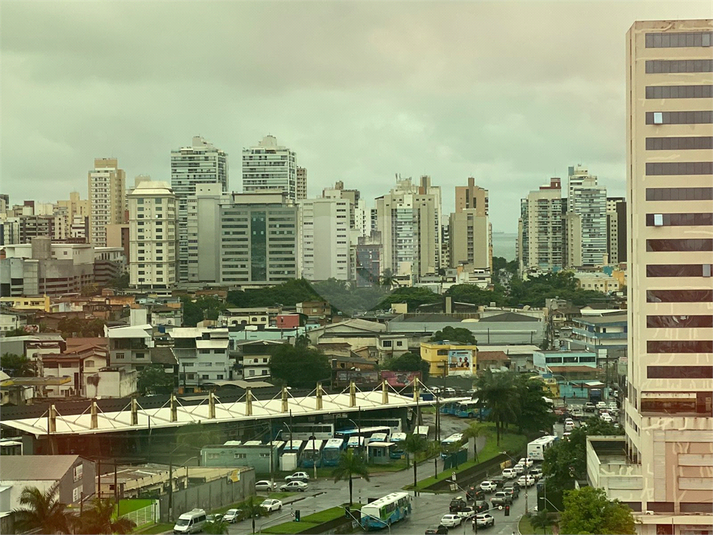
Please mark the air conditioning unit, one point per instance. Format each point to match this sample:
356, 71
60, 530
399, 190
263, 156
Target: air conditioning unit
649, 512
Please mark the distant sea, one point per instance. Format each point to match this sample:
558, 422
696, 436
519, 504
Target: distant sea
504, 245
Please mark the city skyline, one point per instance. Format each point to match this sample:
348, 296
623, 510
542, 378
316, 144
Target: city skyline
423, 92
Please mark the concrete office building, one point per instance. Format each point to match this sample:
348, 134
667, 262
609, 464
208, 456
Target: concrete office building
153, 236
269, 166
586, 222
663, 470
301, 186
200, 163
204, 223
616, 229
107, 198
540, 233
324, 239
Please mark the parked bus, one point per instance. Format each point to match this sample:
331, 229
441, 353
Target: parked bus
356, 442
449, 407
385, 511
378, 437
365, 432
468, 409
422, 430
279, 444
308, 430
312, 454
293, 446
394, 423
8, 446
537, 448
448, 441
398, 451
332, 450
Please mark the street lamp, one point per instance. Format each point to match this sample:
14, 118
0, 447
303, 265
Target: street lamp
527, 473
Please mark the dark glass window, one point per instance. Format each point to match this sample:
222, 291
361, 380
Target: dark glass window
679, 346
679, 372
680, 117
679, 194
679, 296
674, 322
678, 39
668, 405
682, 220
679, 245
674, 270
679, 91
679, 168
679, 143
655, 66
258, 247
696, 507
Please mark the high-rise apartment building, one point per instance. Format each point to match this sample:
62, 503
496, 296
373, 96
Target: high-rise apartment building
153, 236
586, 222
269, 166
107, 198
301, 186
200, 163
616, 229
540, 232
410, 230
668, 477
324, 239
576, 174
470, 231
472, 196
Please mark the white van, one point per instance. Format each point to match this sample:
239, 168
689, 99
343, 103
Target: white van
190, 522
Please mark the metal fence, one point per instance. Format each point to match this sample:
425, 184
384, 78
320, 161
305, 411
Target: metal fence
145, 515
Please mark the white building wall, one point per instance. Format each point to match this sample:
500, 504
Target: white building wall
270, 166
324, 239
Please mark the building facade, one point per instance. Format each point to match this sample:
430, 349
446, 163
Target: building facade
473, 197
153, 236
200, 163
587, 213
301, 186
616, 229
107, 198
269, 166
540, 232
324, 239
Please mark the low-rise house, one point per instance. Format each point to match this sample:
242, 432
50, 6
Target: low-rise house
261, 317
130, 346
80, 362
254, 358
202, 354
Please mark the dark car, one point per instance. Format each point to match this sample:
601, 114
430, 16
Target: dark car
513, 491
457, 504
474, 493
499, 481
440, 530
481, 506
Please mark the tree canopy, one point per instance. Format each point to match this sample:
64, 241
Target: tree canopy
350, 464
17, 365
70, 327
533, 413
469, 293
413, 297
287, 294
455, 334
42, 511
299, 367
408, 362
154, 379
203, 308
588, 511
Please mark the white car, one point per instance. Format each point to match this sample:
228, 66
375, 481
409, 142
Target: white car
606, 417
298, 476
601, 405
451, 520
294, 486
536, 473
509, 473
526, 481
467, 513
488, 486
519, 469
484, 520
271, 505
265, 485
568, 426
232, 515
526, 461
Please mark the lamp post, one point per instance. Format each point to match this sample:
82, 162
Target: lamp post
527, 473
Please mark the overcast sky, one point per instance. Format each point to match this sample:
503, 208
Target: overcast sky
509, 92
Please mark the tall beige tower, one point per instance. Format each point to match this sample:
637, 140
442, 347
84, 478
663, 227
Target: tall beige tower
107, 198
669, 404
472, 196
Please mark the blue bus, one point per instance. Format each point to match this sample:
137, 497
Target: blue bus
449, 407
312, 454
398, 451
385, 511
472, 409
452, 439
332, 450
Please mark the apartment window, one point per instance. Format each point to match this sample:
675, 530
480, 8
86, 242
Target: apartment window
240, 455
679, 372
674, 270
679, 91
679, 245
140, 355
679, 321
678, 40
657, 66
679, 296
679, 220
386, 343
679, 117
119, 356
679, 168
204, 377
679, 346
679, 194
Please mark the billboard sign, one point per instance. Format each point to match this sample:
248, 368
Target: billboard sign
400, 379
460, 360
344, 377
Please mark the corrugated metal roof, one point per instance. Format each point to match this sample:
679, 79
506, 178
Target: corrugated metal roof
36, 467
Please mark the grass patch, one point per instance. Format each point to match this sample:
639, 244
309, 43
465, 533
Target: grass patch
127, 506
154, 529
280, 495
526, 528
310, 521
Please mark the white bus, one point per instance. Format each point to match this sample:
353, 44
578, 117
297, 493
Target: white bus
385, 511
537, 448
394, 423
312, 454
306, 431
422, 430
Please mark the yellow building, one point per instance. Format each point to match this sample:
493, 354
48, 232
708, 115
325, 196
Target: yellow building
28, 303
460, 359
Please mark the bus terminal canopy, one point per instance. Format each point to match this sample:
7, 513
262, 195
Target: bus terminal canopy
94, 421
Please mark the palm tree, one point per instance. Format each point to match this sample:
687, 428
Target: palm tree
253, 510
350, 465
99, 518
217, 527
541, 520
42, 511
387, 278
413, 445
474, 430
499, 394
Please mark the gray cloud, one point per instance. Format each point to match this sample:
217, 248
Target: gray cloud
510, 92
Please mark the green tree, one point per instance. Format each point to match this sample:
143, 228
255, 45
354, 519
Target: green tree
299, 367
498, 393
253, 510
154, 379
468, 293
42, 511
217, 527
533, 413
100, 518
413, 297
413, 445
474, 430
119, 283
70, 327
387, 278
93, 328
89, 290
541, 520
455, 334
287, 294
17, 365
408, 362
350, 465
192, 313
587, 510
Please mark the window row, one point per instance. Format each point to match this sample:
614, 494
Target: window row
679, 117
654, 246
696, 403
679, 220
679, 143
678, 321
679, 194
679, 296
679, 372
679, 91
679, 346
679, 168
678, 270
678, 39
655, 66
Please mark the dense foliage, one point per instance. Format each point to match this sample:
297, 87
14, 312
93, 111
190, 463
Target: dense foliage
458, 335
348, 298
587, 510
299, 367
408, 362
468, 293
413, 297
286, 294
154, 380
71, 327
562, 285
17, 365
203, 308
